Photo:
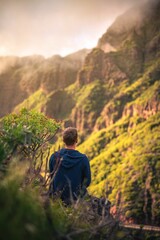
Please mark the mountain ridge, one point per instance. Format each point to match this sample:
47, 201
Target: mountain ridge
27, 75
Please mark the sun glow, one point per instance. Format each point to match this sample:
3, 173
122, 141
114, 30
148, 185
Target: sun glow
3, 51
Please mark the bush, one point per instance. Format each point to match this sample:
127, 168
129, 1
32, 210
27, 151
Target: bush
27, 130
22, 216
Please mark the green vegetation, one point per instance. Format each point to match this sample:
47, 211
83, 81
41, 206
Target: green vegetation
26, 130
35, 101
91, 97
126, 162
59, 104
27, 212
125, 167
149, 94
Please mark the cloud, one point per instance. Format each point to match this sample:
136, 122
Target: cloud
55, 27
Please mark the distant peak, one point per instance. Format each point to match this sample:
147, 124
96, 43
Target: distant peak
134, 18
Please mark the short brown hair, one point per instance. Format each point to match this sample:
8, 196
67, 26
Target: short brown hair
70, 136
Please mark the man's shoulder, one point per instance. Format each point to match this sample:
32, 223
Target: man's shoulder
82, 155
58, 153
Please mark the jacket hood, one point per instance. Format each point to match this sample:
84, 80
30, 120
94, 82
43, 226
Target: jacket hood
70, 158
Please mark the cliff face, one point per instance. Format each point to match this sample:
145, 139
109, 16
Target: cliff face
99, 65
22, 77
135, 38
123, 128
124, 150
126, 71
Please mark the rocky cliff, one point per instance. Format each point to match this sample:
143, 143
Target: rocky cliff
124, 147
127, 73
22, 77
124, 127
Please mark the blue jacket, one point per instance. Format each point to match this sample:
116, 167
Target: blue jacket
73, 175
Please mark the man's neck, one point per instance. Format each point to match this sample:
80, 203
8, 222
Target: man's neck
73, 147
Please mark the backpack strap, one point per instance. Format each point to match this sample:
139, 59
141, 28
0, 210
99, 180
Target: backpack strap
54, 172
58, 162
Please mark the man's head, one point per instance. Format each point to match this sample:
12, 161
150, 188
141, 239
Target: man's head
70, 136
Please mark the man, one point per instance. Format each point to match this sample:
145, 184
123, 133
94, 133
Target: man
70, 169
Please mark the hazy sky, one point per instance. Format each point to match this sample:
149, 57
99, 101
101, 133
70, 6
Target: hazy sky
49, 27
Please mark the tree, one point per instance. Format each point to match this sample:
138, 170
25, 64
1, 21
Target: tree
26, 136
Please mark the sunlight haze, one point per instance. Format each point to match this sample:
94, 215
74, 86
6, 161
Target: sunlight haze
55, 27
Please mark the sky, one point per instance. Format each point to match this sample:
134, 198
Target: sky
49, 27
